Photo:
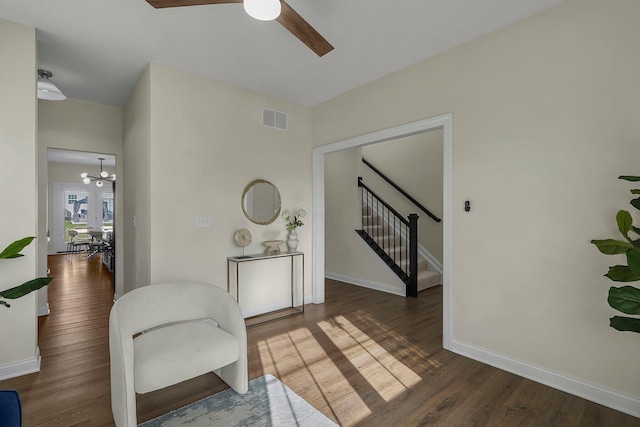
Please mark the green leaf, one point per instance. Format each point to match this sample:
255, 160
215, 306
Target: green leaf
635, 191
625, 222
625, 324
633, 260
612, 247
636, 203
625, 299
622, 273
26, 288
13, 250
630, 178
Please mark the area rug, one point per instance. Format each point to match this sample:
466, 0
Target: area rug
267, 403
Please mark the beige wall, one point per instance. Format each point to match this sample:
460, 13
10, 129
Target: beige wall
545, 118
18, 116
83, 126
136, 224
347, 256
205, 144
415, 164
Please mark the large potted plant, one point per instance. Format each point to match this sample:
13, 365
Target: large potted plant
625, 299
13, 251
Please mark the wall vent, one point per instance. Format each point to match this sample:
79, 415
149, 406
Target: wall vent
274, 119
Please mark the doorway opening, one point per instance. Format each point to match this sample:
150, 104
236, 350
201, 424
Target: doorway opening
444, 122
76, 208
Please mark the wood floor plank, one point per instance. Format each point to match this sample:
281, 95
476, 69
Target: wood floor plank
363, 358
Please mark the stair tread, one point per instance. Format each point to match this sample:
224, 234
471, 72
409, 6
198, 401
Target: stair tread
428, 279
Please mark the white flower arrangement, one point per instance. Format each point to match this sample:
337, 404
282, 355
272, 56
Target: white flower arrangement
294, 223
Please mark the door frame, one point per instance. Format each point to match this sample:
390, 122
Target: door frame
444, 122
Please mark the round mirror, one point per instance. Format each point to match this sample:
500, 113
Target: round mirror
261, 202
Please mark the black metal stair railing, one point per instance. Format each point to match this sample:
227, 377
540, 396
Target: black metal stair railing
401, 191
393, 237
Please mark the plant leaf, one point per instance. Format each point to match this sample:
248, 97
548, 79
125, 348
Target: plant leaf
611, 246
636, 230
13, 250
630, 178
625, 299
6, 304
633, 260
636, 203
625, 324
635, 191
622, 273
25, 288
623, 218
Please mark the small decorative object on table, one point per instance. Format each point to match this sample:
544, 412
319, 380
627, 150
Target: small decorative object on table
242, 238
273, 247
292, 224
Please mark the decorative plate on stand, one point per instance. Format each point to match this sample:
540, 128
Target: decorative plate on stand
242, 238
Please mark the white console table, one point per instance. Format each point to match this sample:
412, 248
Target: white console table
234, 283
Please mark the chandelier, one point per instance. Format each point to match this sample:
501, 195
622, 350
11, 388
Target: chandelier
104, 176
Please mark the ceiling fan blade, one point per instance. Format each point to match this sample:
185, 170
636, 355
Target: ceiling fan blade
159, 4
300, 28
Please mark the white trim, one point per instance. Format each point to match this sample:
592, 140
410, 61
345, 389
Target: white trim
445, 122
434, 263
44, 310
612, 399
382, 287
23, 367
317, 228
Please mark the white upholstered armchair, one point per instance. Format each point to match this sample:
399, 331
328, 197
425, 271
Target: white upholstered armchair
185, 329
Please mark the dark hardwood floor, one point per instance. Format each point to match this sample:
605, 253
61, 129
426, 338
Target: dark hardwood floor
363, 358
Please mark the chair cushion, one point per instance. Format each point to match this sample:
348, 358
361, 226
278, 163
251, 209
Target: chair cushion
178, 352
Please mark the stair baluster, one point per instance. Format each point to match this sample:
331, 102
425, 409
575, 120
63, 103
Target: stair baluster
379, 227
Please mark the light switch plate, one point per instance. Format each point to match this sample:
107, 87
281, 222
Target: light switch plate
203, 222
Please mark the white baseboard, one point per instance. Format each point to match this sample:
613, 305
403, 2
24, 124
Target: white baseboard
434, 263
44, 310
612, 399
23, 367
366, 284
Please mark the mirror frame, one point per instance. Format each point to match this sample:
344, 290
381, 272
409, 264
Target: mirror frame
246, 190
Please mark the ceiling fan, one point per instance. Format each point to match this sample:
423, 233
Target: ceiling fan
288, 18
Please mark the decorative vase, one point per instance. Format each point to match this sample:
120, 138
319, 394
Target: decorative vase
292, 240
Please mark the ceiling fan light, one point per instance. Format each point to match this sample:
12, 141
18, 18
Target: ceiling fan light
104, 174
84, 175
263, 10
86, 180
99, 183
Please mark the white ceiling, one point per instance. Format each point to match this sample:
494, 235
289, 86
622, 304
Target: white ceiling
97, 49
56, 155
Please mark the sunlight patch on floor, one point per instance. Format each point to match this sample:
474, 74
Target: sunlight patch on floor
385, 373
326, 384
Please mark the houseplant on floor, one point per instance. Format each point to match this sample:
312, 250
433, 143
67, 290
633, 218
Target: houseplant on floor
13, 251
625, 298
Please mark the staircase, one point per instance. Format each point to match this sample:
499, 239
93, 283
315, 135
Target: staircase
392, 247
